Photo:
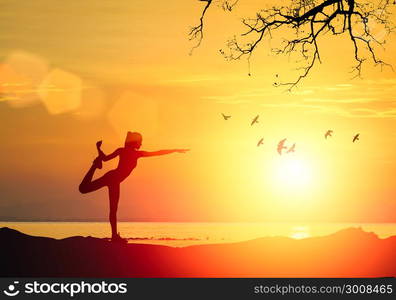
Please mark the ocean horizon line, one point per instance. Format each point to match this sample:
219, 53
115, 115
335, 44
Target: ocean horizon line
209, 222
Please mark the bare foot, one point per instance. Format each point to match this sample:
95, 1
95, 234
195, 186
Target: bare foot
118, 239
98, 160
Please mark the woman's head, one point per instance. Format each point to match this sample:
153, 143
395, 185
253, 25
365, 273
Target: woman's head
133, 139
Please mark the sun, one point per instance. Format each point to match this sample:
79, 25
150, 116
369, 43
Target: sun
293, 174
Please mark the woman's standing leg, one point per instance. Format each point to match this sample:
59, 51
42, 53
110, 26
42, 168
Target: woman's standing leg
114, 195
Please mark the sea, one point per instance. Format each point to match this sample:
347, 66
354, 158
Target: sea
187, 234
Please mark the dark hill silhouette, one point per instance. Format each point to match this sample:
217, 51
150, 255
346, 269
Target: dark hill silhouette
347, 253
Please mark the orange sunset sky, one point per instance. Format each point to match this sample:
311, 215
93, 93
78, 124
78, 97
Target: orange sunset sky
74, 72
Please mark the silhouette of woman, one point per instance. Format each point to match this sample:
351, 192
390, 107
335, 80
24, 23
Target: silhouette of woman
128, 156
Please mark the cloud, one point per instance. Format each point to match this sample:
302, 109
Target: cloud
335, 101
338, 111
6, 97
304, 92
340, 87
191, 80
227, 99
309, 108
365, 99
247, 96
389, 113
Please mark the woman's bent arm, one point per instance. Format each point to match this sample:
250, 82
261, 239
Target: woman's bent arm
112, 155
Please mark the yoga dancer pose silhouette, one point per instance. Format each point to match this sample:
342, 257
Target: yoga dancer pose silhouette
128, 156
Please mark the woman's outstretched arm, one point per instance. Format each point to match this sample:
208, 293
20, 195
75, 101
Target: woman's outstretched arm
162, 152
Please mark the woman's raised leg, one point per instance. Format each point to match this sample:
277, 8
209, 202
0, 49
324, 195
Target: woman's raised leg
87, 184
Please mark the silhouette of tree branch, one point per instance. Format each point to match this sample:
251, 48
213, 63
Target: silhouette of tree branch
228, 5
196, 32
307, 21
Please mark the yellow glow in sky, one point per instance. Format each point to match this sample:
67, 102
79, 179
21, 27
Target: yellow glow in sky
125, 65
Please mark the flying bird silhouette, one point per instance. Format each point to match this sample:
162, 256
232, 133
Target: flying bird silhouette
261, 141
292, 148
281, 146
225, 117
356, 138
328, 133
255, 120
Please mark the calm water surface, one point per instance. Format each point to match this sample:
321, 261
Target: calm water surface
184, 234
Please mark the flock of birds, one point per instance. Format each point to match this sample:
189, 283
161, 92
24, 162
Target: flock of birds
281, 144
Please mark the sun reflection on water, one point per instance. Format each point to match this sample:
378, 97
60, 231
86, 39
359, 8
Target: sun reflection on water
300, 232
